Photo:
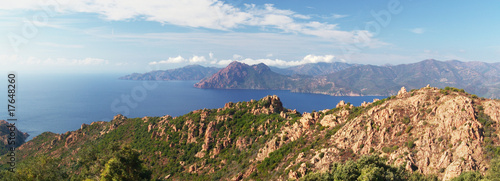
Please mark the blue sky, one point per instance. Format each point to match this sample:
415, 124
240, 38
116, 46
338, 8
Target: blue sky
96, 36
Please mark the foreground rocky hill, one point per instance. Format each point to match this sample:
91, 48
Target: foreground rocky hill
428, 133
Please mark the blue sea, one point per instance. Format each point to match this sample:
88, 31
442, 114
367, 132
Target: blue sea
61, 103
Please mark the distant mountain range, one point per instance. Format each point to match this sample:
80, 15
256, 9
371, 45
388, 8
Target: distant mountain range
313, 69
342, 79
475, 77
190, 72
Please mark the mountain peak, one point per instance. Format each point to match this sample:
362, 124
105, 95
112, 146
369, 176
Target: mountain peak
239, 75
236, 63
261, 67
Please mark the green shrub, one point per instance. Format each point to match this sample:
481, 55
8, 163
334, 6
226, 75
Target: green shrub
442, 91
366, 168
440, 139
408, 128
406, 120
410, 144
468, 176
390, 149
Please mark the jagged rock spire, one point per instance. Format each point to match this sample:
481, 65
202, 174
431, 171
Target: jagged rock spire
402, 91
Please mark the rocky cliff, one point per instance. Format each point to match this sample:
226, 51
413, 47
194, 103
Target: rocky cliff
429, 131
10, 134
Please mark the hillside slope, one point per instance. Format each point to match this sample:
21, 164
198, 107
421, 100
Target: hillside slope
430, 131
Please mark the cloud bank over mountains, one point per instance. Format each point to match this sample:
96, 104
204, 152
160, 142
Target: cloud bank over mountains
270, 62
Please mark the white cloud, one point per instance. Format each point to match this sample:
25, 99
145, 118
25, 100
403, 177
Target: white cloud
212, 14
236, 56
197, 59
300, 16
283, 63
17, 60
91, 61
317, 59
418, 30
338, 16
271, 62
179, 59
57, 45
122, 64
64, 62
8, 59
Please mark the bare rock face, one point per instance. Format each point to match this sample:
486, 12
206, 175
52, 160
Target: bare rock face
340, 104
119, 117
402, 91
429, 134
241, 143
275, 104
117, 120
492, 108
5, 131
308, 119
208, 139
329, 120
270, 146
191, 138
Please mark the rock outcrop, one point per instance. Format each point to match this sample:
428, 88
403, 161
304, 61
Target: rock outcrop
10, 134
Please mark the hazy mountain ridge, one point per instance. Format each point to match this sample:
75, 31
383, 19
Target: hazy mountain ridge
354, 80
190, 72
432, 131
313, 69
